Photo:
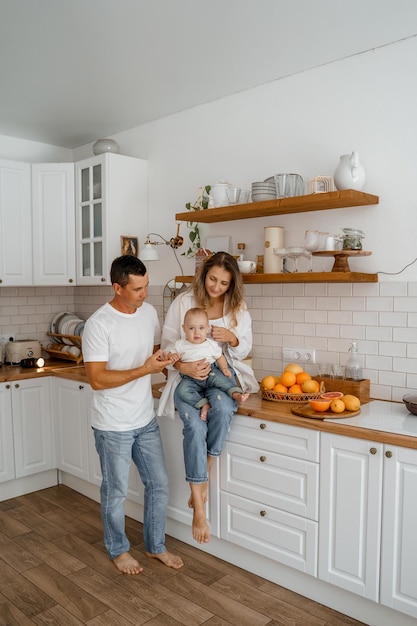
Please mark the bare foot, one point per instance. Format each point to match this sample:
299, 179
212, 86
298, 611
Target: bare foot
240, 397
167, 558
204, 411
126, 564
201, 530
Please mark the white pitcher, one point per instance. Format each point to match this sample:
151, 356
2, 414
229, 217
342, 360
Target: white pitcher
350, 173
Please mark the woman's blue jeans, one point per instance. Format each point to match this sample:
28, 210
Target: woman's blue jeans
116, 451
204, 437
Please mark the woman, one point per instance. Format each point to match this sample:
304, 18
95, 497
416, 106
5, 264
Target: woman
218, 288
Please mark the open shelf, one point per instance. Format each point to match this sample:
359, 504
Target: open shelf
300, 277
282, 206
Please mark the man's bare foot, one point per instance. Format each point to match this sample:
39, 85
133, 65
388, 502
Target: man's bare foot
204, 411
168, 559
201, 530
126, 564
240, 397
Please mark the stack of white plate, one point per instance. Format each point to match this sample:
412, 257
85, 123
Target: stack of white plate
264, 190
66, 323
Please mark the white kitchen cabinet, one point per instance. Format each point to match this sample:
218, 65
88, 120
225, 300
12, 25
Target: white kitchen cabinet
72, 401
399, 530
7, 471
350, 513
111, 201
15, 224
32, 426
53, 210
269, 491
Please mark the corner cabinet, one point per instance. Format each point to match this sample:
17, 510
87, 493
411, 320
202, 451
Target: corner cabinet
288, 206
111, 201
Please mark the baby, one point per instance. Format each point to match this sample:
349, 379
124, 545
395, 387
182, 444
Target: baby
194, 347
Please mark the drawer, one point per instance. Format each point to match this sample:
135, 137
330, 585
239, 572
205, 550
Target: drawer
300, 443
282, 482
282, 537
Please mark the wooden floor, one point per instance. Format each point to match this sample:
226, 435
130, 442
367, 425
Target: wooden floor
54, 570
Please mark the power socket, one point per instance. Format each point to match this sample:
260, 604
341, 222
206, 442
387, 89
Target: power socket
295, 355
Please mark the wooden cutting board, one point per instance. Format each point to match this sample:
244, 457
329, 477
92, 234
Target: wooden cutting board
305, 410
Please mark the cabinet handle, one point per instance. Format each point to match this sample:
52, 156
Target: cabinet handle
1, 280
81, 387
17, 385
262, 459
373, 450
103, 280
262, 426
262, 513
388, 454
70, 280
7, 386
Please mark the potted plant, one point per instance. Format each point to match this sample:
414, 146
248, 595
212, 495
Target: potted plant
202, 202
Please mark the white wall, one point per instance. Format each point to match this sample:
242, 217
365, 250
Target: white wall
14, 149
299, 124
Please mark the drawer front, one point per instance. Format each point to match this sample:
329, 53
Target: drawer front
282, 537
282, 482
300, 443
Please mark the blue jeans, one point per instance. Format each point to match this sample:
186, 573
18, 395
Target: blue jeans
116, 451
202, 438
193, 391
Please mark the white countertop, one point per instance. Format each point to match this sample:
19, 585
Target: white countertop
392, 417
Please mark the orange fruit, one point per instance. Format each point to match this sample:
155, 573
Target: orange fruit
352, 403
288, 378
337, 406
320, 405
293, 367
310, 386
295, 389
280, 388
268, 382
301, 377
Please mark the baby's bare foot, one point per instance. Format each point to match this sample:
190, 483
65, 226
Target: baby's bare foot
126, 564
168, 559
201, 530
204, 411
240, 397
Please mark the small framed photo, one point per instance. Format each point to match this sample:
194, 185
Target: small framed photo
130, 245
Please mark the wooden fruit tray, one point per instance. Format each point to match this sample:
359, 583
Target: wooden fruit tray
305, 410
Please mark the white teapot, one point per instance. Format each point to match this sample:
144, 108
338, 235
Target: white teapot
218, 193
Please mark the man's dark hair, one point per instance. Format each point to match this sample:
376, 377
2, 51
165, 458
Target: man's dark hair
123, 266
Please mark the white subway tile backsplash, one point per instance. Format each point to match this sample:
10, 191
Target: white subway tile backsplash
321, 316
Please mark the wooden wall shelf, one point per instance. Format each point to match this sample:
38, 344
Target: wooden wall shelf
300, 277
282, 206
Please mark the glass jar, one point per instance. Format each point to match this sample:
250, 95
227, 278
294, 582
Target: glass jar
352, 238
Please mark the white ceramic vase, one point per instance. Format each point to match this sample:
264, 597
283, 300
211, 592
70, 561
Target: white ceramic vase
101, 146
350, 173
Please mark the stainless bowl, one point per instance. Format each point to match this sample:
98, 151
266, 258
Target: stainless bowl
410, 401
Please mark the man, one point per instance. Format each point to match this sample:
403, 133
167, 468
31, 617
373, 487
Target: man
121, 351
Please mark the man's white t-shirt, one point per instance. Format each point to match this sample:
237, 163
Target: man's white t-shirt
124, 341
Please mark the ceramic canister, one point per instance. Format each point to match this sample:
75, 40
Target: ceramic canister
274, 238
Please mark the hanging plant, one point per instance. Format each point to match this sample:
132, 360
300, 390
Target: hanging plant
201, 203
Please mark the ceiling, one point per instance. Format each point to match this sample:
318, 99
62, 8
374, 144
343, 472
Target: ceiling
72, 71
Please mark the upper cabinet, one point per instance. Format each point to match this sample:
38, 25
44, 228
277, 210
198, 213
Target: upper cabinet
15, 224
111, 201
53, 224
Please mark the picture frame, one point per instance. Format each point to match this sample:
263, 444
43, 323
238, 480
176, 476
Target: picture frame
129, 245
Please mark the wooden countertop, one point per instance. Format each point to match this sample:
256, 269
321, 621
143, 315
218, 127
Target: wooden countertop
254, 406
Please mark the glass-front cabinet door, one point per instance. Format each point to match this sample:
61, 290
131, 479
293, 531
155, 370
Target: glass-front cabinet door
91, 222
111, 203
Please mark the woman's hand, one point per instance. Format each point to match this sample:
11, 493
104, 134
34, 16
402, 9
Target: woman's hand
197, 369
224, 335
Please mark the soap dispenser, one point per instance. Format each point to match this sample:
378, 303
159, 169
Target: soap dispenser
353, 366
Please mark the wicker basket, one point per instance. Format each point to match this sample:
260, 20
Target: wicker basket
273, 396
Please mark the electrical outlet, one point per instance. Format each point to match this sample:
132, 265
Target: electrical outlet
295, 355
6, 338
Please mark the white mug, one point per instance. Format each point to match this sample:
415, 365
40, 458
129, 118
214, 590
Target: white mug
247, 267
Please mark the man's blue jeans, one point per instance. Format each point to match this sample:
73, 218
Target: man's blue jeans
116, 451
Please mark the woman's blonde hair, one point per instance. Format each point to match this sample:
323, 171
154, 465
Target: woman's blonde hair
234, 294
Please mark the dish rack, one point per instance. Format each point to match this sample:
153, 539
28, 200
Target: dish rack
55, 349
